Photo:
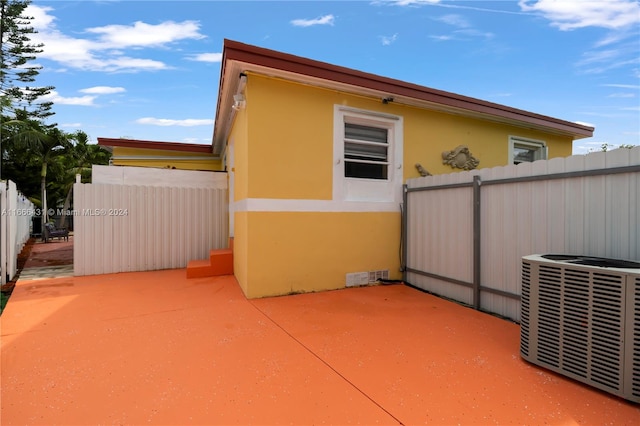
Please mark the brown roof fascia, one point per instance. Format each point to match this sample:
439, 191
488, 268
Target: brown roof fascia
241, 52
166, 146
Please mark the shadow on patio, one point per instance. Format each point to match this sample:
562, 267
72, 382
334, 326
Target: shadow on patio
156, 348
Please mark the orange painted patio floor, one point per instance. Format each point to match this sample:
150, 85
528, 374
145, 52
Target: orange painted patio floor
156, 348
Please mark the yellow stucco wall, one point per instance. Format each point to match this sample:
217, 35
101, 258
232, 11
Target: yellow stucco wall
240, 248
142, 157
291, 252
239, 138
283, 145
291, 137
427, 135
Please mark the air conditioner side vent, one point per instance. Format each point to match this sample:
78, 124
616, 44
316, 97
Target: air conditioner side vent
633, 338
524, 309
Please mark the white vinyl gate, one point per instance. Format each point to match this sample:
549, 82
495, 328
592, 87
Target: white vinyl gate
120, 228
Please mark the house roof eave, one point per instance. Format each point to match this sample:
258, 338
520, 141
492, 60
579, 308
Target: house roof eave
156, 145
239, 57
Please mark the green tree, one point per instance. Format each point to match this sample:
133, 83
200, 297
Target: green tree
18, 164
16, 74
79, 160
41, 145
18, 97
86, 155
606, 146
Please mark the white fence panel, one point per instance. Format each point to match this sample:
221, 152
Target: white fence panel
15, 228
121, 228
442, 215
584, 205
149, 176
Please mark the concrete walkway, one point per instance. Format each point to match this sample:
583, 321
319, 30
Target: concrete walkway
156, 348
49, 260
56, 252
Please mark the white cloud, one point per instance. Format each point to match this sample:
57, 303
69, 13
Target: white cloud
207, 57
127, 64
41, 19
447, 5
598, 56
602, 60
55, 97
87, 100
583, 148
612, 38
197, 141
464, 28
572, 14
103, 90
442, 37
412, 2
623, 86
455, 20
322, 20
622, 95
165, 122
102, 49
146, 35
386, 40
474, 33
584, 123
71, 125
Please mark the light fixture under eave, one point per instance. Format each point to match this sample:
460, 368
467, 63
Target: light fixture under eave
239, 101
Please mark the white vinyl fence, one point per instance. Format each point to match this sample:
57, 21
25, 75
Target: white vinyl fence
15, 228
120, 228
465, 233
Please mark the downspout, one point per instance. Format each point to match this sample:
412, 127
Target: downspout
231, 186
403, 233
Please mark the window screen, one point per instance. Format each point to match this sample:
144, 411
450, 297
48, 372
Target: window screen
366, 151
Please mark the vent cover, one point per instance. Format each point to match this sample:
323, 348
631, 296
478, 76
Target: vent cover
583, 321
357, 278
366, 278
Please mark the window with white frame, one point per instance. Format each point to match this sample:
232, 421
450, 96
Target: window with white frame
368, 155
523, 150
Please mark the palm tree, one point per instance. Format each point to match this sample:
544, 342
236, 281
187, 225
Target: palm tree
43, 144
82, 156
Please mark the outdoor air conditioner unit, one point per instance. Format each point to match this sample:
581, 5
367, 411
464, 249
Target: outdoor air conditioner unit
581, 318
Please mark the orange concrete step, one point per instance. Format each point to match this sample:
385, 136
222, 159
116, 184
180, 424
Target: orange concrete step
220, 262
199, 269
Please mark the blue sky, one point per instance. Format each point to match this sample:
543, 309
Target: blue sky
150, 69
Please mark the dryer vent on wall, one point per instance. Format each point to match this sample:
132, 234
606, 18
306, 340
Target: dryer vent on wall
581, 318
